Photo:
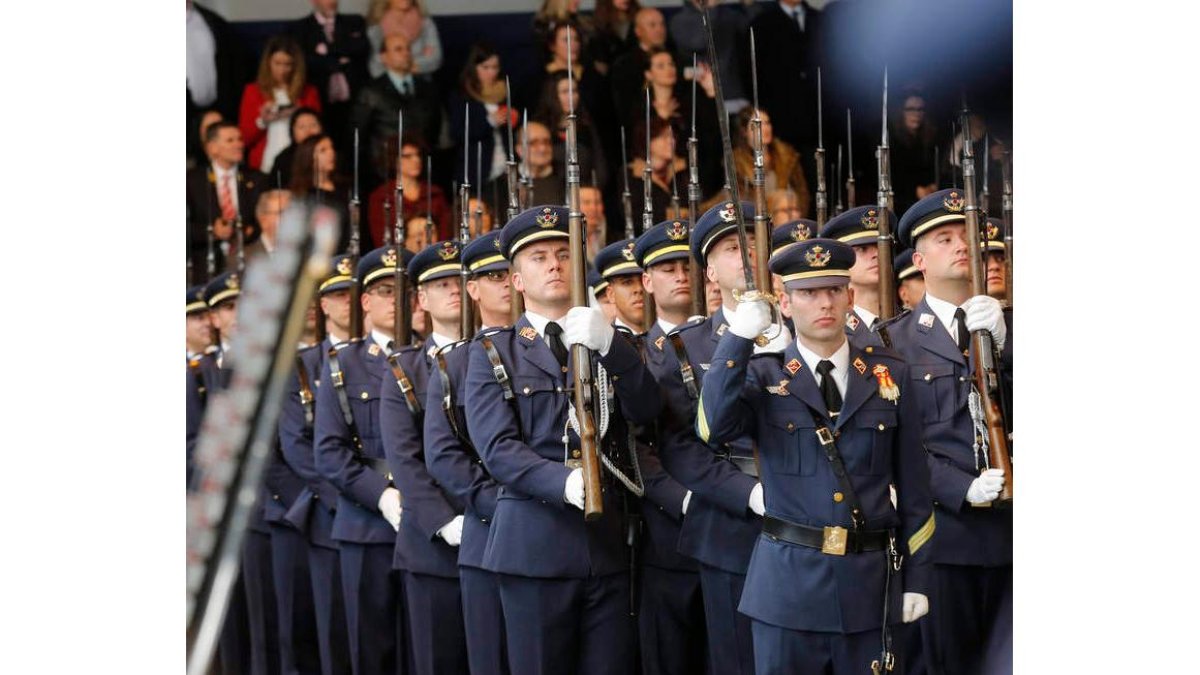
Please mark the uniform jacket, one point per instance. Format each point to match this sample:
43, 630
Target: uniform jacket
204, 207
427, 508
940, 377
535, 532
364, 365
719, 529
860, 333
880, 442
455, 466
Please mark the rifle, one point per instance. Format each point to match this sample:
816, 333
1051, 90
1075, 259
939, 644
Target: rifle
985, 193
762, 230
819, 157
464, 233
991, 429
1007, 211
210, 255
648, 309
849, 163
837, 184
402, 323
478, 188
699, 306
937, 168
239, 427
887, 277
239, 229
356, 318
626, 196
593, 505
527, 180
514, 199
675, 207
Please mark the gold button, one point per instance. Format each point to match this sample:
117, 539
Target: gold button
729, 363
837, 497
525, 391
575, 454
791, 427
881, 427
928, 377
870, 350
364, 396
564, 369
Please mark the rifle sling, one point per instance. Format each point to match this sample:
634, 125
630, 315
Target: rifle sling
449, 407
685, 366
306, 393
339, 386
406, 387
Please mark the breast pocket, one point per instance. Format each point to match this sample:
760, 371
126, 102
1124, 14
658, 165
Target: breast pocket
789, 443
879, 428
937, 386
539, 399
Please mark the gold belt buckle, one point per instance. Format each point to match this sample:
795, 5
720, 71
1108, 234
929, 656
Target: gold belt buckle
834, 541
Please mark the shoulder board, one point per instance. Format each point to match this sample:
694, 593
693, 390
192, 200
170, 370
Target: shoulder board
492, 332
307, 349
689, 325
211, 349
778, 356
626, 331
884, 324
877, 351
449, 347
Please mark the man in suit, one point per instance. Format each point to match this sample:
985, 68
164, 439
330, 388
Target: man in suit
336, 50
268, 210
454, 463
565, 604
220, 194
348, 451
834, 432
671, 614
547, 174
377, 108
312, 511
628, 71
787, 35
859, 228
426, 552
971, 599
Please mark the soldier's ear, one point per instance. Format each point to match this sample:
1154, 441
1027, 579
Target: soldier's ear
918, 259
850, 295
646, 281
518, 283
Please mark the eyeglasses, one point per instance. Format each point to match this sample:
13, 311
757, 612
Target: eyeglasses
411, 155
914, 109
388, 291
498, 276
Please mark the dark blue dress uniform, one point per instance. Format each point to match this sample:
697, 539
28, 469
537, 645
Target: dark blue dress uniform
312, 511
819, 610
792, 232
427, 564
671, 612
453, 461
249, 639
365, 538
719, 529
858, 227
970, 607
564, 583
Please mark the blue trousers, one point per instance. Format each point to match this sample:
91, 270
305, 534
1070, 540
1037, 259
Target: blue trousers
437, 640
783, 651
483, 619
730, 642
671, 623
372, 600
968, 630
298, 651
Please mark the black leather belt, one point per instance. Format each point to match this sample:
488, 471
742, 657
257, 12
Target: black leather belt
834, 540
745, 464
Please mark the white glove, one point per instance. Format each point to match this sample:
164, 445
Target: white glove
916, 605
389, 506
686, 498
588, 326
777, 343
986, 487
451, 532
756, 500
573, 492
984, 313
750, 319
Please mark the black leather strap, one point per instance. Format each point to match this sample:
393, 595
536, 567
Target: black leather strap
339, 386
501, 375
814, 537
829, 447
685, 366
306, 392
450, 408
406, 387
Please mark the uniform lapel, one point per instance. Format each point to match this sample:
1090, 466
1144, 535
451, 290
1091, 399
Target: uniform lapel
935, 337
719, 325
536, 350
802, 384
859, 387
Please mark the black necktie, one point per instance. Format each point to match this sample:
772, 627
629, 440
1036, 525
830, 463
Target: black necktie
391, 346
829, 390
964, 338
554, 337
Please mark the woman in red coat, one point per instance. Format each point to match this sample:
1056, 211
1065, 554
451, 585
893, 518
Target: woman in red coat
268, 103
411, 166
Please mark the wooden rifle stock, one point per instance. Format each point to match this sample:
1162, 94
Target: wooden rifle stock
986, 375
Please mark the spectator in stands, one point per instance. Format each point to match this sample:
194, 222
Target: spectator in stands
613, 32
411, 169
215, 71
783, 206
554, 13
305, 124
409, 20
268, 103
336, 51
627, 71
730, 22
377, 109
780, 160
316, 180
549, 183
591, 204
219, 193
663, 160
418, 234
552, 110
788, 36
197, 128
483, 92
913, 140
268, 211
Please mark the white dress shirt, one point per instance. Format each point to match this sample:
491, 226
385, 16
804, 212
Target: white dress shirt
666, 326
220, 175
382, 339
795, 13
865, 315
945, 313
840, 360
539, 324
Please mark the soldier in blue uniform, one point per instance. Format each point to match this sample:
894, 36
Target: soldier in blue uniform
564, 584
348, 452
859, 228
453, 461
426, 544
836, 563
623, 284
910, 283
972, 554
783, 236
199, 330
723, 513
671, 612
312, 511
995, 254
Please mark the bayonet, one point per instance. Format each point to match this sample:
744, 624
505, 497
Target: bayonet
819, 157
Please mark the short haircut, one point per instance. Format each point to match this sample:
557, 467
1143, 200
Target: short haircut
265, 199
215, 130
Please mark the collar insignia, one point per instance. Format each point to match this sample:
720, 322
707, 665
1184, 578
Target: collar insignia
793, 366
659, 342
852, 321
860, 366
373, 349
528, 333
926, 320
722, 328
